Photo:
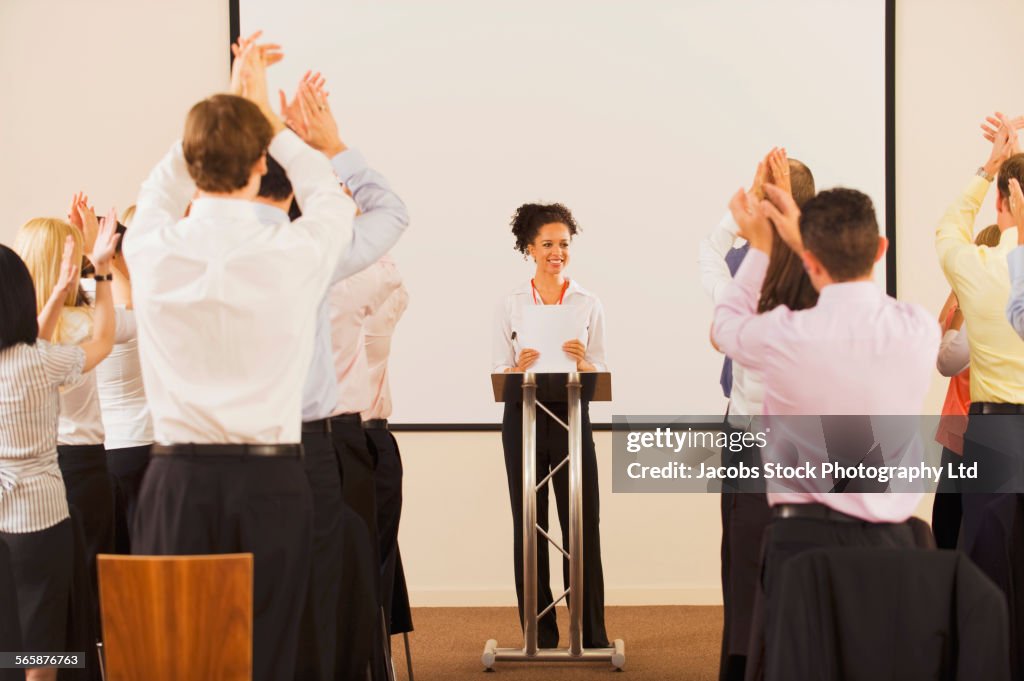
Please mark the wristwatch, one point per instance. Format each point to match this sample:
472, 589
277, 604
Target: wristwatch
981, 173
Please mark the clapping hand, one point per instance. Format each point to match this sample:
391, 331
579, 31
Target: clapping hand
316, 124
1017, 207
1004, 142
991, 126
70, 271
752, 221
106, 243
783, 212
778, 166
291, 112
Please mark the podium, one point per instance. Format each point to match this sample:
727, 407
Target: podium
534, 389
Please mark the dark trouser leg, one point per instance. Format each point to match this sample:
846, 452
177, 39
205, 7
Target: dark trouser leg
90, 489
388, 479
512, 443
228, 504
318, 633
42, 564
947, 510
127, 467
359, 638
556, 442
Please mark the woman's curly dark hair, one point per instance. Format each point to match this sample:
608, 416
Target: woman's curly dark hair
530, 217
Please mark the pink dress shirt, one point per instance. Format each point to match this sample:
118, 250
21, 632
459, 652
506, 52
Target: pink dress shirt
352, 300
378, 328
856, 352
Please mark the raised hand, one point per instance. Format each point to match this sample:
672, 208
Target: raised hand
756, 190
267, 53
991, 126
70, 271
86, 223
1017, 207
73, 217
778, 166
102, 252
1004, 144
291, 112
752, 221
319, 126
784, 214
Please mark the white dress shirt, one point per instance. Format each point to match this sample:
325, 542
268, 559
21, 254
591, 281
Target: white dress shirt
351, 301
378, 328
747, 393
226, 304
509, 316
954, 352
32, 494
857, 352
81, 414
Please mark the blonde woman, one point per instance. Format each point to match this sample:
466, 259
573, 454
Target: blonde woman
81, 454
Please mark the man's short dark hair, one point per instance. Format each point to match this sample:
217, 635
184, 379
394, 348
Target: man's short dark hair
225, 136
17, 301
840, 228
275, 184
1012, 167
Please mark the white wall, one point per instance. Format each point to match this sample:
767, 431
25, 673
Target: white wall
104, 86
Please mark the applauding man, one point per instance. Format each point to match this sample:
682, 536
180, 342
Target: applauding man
226, 307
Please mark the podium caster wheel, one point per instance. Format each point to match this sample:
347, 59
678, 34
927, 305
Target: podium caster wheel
619, 656
489, 654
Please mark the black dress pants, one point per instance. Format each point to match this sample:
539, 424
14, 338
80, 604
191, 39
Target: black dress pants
360, 495
552, 448
947, 510
127, 466
388, 476
207, 504
745, 515
90, 489
785, 538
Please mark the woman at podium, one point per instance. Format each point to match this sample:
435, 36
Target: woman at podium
544, 233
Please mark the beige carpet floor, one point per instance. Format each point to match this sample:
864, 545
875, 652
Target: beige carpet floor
678, 643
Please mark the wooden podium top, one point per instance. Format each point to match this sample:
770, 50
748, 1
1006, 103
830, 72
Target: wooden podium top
595, 386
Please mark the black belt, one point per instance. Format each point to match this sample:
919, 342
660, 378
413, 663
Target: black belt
995, 408
815, 511
294, 451
351, 417
318, 426
375, 424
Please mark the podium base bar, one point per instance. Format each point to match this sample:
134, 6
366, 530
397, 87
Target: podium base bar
616, 655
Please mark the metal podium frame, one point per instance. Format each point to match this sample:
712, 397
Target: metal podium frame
597, 387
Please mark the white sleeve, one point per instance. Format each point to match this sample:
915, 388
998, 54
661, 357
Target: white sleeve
595, 340
503, 354
162, 199
714, 272
954, 352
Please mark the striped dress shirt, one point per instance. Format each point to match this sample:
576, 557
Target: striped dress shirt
32, 496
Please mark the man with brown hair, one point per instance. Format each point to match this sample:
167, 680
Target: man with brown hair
226, 306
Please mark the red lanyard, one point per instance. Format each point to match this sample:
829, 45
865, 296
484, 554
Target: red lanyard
533, 286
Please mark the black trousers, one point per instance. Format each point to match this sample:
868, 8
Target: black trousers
552, 448
745, 515
90, 489
10, 623
996, 444
786, 538
947, 510
202, 504
360, 495
388, 477
127, 467
337, 631
42, 564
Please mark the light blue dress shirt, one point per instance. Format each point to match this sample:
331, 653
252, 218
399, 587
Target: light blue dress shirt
382, 219
1015, 308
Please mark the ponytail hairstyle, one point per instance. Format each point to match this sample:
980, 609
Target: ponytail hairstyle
786, 282
530, 217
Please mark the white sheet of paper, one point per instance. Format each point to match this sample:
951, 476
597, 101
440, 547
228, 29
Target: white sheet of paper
546, 328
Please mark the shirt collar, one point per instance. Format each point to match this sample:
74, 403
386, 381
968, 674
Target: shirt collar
209, 207
849, 292
269, 215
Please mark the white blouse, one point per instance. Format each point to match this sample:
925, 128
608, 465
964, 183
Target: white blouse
506, 348
81, 418
126, 418
32, 495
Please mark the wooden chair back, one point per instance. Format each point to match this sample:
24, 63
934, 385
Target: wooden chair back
177, 618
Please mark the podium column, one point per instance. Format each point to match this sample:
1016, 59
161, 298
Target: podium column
530, 514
